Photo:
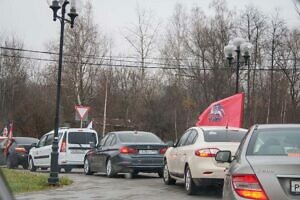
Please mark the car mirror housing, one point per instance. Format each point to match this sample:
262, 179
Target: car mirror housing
92, 145
170, 143
33, 145
223, 156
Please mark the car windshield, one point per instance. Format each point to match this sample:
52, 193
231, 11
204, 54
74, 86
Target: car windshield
139, 137
275, 142
25, 140
81, 137
224, 135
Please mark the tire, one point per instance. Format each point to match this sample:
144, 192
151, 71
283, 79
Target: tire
9, 162
168, 180
160, 173
87, 167
189, 184
31, 165
68, 169
25, 165
110, 172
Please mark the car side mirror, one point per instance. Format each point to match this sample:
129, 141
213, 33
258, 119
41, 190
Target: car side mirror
170, 143
92, 145
33, 145
223, 156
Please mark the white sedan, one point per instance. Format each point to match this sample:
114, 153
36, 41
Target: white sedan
192, 158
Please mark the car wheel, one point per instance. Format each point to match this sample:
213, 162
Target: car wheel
68, 169
86, 167
31, 165
168, 180
189, 184
109, 169
25, 165
160, 173
9, 162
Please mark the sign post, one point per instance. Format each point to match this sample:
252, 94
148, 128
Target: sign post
82, 112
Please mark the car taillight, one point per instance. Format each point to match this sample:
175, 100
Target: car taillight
248, 186
163, 150
128, 150
63, 146
20, 150
207, 153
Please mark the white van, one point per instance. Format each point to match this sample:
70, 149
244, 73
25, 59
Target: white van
73, 143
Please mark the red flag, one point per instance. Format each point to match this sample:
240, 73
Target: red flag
226, 112
10, 133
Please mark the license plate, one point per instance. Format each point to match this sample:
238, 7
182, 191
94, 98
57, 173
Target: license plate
148, 151
295, 187
77, 151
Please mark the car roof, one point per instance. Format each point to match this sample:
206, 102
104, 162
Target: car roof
272, 126
209, 128
121, 132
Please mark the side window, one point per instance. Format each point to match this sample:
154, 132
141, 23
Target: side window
239, 150
113, 141
49, 140
101, 143
108, 141
183, 139
192, 137
42, 141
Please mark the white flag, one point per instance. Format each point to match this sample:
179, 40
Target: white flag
90, 125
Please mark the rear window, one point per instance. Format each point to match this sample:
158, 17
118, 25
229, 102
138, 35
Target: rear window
224, 136
139, 137
25, 140
81, 137
275, 142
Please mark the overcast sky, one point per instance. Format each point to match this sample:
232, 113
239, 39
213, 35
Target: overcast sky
31, 20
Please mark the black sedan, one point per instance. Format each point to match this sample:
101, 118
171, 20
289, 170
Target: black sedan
14, 151
126, 152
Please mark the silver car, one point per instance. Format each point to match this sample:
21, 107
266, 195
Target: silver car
266, 165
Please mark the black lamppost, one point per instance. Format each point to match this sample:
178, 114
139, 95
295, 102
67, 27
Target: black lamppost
239, 46
56, 5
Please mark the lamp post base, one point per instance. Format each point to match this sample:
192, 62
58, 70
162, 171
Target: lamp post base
53, 179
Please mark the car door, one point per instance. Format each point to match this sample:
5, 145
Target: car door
95, 157
38, 156
103, 153
176, 155
182, 153
47, 149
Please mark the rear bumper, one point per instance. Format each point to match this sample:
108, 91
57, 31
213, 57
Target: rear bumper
128, 164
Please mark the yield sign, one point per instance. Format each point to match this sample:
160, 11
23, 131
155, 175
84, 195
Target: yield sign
82, 111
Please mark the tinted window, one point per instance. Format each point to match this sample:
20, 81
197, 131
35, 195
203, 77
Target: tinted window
49, 140
42, 141
183, 139
113, 141
223, 136
192, 137
81, 137
108, 141
138, 137
275, 142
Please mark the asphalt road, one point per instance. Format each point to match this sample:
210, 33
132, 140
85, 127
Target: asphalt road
145, 187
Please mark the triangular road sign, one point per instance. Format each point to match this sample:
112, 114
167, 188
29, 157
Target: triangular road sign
82, 111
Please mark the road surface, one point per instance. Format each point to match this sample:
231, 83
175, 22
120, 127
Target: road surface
145, 187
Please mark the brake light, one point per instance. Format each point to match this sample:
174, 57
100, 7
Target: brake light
20, 150
63, 146
128, 150
207, 153
163, 150
248, 186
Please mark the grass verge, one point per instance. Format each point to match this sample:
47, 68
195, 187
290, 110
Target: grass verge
25, 181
